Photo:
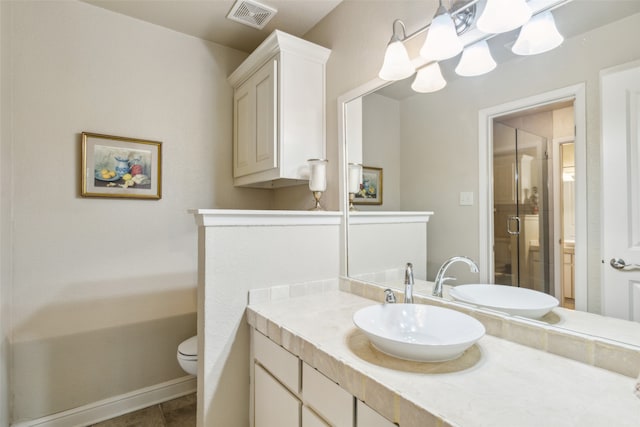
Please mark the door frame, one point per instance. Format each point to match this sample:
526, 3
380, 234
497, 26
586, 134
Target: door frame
558, 226
485, 180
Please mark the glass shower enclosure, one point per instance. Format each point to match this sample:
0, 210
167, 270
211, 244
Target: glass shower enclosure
521, 209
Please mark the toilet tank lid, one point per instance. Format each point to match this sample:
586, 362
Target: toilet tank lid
189, 347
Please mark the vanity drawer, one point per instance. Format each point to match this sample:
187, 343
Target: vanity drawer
367, 417
311, 419
327, 398
275, 406
279, 362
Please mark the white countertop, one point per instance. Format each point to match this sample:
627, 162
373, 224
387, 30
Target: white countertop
495, 383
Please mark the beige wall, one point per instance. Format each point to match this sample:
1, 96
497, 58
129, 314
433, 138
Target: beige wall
381, 131
4, 243
103, 290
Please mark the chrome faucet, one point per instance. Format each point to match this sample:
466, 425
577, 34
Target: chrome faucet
441, 278
408, 284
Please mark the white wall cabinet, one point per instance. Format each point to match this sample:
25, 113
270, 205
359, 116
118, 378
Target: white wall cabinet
288, 392
279, 112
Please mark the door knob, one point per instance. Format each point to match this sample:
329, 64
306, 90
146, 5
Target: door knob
619, 264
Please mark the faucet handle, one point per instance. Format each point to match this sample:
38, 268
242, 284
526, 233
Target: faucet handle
389, 296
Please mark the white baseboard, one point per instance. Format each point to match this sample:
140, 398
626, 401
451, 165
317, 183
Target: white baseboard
116, 406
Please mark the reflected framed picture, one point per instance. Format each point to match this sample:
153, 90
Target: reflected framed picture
116, 166
371, 187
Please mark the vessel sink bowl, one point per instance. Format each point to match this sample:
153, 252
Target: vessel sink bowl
508, 299
418, 332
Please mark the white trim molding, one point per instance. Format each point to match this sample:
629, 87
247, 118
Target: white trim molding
115, 406
387, 217
236, 217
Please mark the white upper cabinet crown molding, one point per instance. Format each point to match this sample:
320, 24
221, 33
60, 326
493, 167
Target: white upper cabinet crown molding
277, 42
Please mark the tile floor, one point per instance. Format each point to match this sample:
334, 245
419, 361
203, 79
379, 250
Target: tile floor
179, 412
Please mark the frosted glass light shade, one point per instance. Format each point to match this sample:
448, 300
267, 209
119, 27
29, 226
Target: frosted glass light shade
355, 177
538, 35
442, 39
396, 64
317, 174
476, 60
500, 16
429, 79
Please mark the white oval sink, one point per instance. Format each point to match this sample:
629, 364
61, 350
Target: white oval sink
418, 332
509, 299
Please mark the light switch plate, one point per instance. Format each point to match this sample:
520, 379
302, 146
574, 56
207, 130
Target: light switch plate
466, 198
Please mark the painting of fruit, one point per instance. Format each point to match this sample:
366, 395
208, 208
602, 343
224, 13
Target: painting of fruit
120, 167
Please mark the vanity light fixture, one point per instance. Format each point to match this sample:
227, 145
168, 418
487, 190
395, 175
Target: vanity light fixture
476, 60
442, 39
538, 35
497, 16
500, 16
429, 79
396, 65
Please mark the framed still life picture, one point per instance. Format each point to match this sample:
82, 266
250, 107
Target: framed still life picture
371, 188
115, 166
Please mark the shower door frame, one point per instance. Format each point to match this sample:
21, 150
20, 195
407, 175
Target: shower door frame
521, 273
576, 93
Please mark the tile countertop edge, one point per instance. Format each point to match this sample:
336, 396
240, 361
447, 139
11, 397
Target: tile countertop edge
339, 371
393, 403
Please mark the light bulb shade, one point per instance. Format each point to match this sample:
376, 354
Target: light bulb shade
317, 174
429, 79
476, 60
538, 35
442, 39
500, 16
396, 64
355, 177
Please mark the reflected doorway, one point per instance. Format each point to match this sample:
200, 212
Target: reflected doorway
534, 200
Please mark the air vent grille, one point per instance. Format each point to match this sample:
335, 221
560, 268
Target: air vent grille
251, 13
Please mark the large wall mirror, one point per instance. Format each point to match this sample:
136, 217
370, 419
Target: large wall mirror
455, 153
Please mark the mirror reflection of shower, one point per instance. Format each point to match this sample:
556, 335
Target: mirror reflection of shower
533, 200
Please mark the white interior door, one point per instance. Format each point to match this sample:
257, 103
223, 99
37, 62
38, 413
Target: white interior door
620, 89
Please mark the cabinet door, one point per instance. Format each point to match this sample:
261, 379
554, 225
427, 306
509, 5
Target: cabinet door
275, 406
567, 275
327, 398
367, 417
255, 127
243, 129
311, 419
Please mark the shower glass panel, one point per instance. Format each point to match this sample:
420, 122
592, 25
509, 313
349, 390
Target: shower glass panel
521, 257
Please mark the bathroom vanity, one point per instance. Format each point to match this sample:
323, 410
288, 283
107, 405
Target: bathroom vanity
309, 358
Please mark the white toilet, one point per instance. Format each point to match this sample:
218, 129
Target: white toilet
188, 355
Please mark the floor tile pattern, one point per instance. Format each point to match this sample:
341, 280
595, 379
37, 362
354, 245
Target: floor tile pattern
179, 412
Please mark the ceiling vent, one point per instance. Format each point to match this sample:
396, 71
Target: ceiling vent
251, 13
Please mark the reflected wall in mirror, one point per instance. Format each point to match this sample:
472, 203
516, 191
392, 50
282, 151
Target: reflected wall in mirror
427, 145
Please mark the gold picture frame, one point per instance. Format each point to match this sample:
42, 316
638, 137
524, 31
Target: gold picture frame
120, 167
371, 187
